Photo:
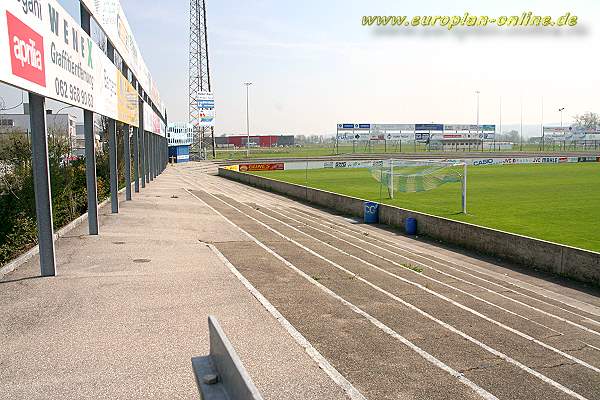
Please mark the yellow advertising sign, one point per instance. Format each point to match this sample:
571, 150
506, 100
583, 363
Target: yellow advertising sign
127, 101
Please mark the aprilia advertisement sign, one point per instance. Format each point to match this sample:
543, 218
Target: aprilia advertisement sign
27, 55
51, 55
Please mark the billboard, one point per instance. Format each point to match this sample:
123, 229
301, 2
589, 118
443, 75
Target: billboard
45, 51
429, 127
110, 16
456, 127
127, 101
152, 121
206, 106
262, 167
555, 129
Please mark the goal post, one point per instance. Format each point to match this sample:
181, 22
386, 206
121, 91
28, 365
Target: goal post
464, 188
407, 176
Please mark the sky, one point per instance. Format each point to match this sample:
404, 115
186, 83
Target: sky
312, 64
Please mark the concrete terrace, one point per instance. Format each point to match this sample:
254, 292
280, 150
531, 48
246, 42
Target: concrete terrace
396, 317
129, 309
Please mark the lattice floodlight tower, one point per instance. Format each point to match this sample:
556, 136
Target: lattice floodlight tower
199, 75
410, 176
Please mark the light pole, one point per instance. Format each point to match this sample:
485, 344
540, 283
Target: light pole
247, 84
521, 146
561, 112
478, 130
500, 127
542, 123
561, 125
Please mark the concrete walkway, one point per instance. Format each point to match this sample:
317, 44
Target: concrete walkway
129, 308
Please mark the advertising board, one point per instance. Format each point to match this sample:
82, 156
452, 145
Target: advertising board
429, 127
45, 51
110, 16
152, 122
206, 106
262, 167
475, 162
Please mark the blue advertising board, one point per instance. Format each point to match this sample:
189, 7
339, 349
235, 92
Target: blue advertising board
429, 127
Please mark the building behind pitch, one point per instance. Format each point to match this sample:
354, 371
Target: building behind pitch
62, 125
235, 141
180, 136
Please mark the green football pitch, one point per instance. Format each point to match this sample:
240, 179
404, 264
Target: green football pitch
559, 202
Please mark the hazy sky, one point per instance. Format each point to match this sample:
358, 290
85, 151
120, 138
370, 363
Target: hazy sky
313, 64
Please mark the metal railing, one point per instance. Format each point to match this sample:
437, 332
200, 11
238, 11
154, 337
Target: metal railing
221, 375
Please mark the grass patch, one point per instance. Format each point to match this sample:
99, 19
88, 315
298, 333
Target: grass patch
413, 268
559, 203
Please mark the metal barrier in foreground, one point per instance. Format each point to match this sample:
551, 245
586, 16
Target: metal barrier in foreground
221, 375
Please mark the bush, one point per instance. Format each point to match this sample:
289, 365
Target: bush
17, 202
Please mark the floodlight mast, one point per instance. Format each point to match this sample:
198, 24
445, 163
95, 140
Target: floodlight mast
247, 84
478, 130
199, 74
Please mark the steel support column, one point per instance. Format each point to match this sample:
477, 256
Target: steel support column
112, 164
90, 172
150, 156
127, 161
41, 182
143, 155
153, 157
157, 151
136, 160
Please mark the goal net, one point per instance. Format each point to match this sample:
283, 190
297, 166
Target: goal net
407, 176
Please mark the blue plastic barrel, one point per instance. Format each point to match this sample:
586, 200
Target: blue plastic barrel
371, 212
410, 226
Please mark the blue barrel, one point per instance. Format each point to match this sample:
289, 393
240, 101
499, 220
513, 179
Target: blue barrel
410, 226
371, 212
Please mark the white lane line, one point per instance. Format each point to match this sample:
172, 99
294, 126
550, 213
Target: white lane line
408, 270
512, 281
525, 336
557, 297
579, 326
447, 262
453, 302
330, 370
497, 353
430, 358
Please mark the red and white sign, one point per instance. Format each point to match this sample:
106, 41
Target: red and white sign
27, 51
262, 167
45, 51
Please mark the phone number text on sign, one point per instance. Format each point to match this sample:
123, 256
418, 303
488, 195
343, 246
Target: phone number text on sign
74, 94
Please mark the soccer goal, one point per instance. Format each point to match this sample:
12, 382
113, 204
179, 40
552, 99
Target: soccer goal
409, 176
